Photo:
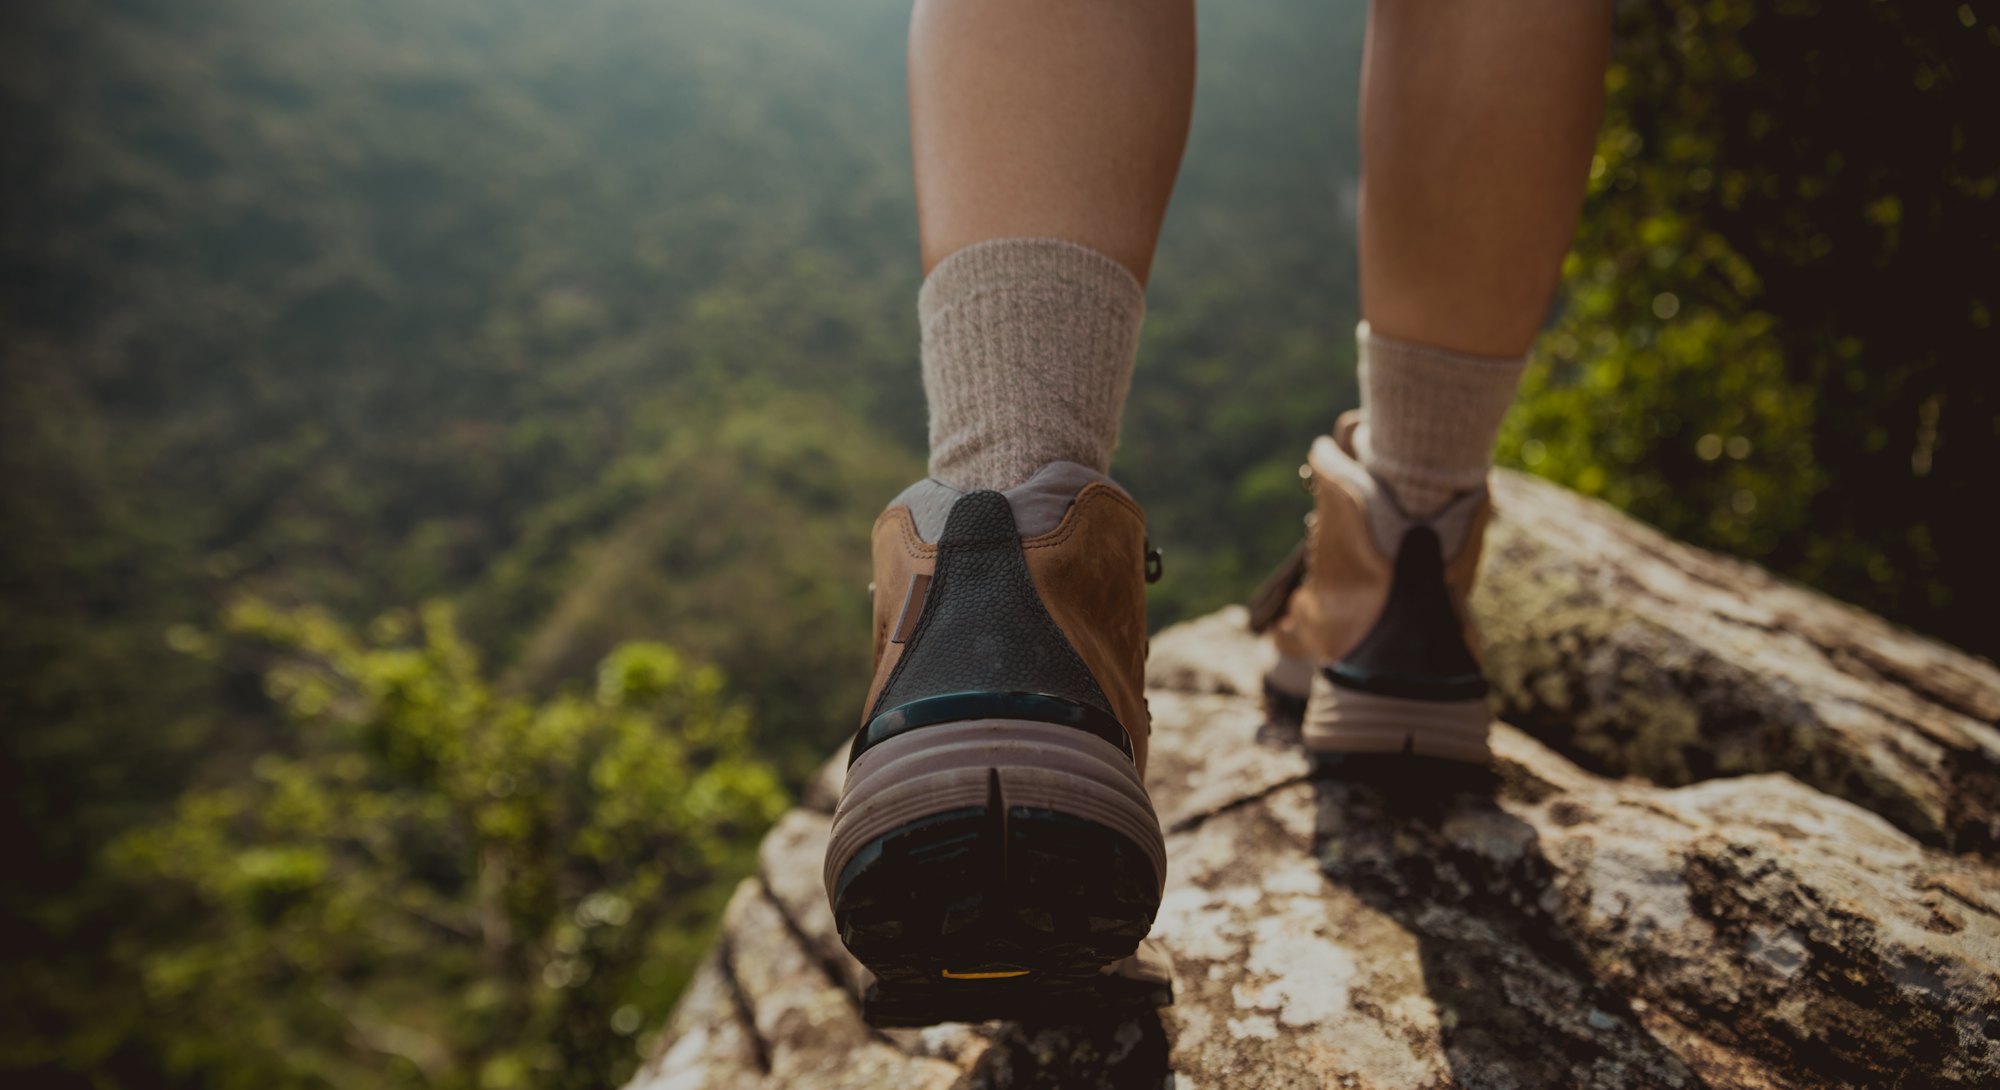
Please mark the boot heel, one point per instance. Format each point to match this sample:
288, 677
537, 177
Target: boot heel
970, 855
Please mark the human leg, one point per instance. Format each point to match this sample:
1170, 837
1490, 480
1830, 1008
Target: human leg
1045, 137
1477, 124
1049, 119
994, 847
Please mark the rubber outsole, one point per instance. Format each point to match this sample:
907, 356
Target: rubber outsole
1131, 986
1336, 720
1343, 720
1003, 905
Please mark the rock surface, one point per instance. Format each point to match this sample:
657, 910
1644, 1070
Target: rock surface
1738, 835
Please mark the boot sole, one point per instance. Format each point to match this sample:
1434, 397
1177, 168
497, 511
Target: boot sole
1340, 720
977, 865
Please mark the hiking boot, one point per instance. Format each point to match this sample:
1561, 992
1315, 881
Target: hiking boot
994, 848
1377, 652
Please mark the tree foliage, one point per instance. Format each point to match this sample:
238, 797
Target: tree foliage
436, 885
1778, 329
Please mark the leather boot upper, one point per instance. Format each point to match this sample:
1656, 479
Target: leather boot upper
1075, 625
1352, 544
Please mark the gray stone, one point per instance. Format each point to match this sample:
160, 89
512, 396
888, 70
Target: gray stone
1738, 835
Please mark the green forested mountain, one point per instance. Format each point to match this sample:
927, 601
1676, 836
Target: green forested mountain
371, 371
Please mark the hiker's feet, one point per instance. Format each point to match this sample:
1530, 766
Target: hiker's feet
994, 847
1377, 652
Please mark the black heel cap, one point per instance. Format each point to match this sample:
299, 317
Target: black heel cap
1417, 648
984, 645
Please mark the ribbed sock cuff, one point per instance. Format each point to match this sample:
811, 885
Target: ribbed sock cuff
1429, 418
1028, 345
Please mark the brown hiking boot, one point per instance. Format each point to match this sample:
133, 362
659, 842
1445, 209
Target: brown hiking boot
994, 849
1377, 652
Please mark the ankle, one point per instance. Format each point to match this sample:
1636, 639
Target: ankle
1429, 418
1028, 345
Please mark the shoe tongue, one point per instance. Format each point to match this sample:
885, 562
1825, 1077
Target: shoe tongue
1039, 502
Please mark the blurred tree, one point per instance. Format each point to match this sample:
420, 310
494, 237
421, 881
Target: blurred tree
739, 521
435, 885
1778, 337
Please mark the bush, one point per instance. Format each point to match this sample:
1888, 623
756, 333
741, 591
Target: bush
437, 884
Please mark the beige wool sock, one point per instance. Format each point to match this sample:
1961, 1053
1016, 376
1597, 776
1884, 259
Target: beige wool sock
1429, 418
1028, 346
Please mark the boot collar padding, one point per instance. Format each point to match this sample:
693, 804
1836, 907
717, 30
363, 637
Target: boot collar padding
1039, 503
